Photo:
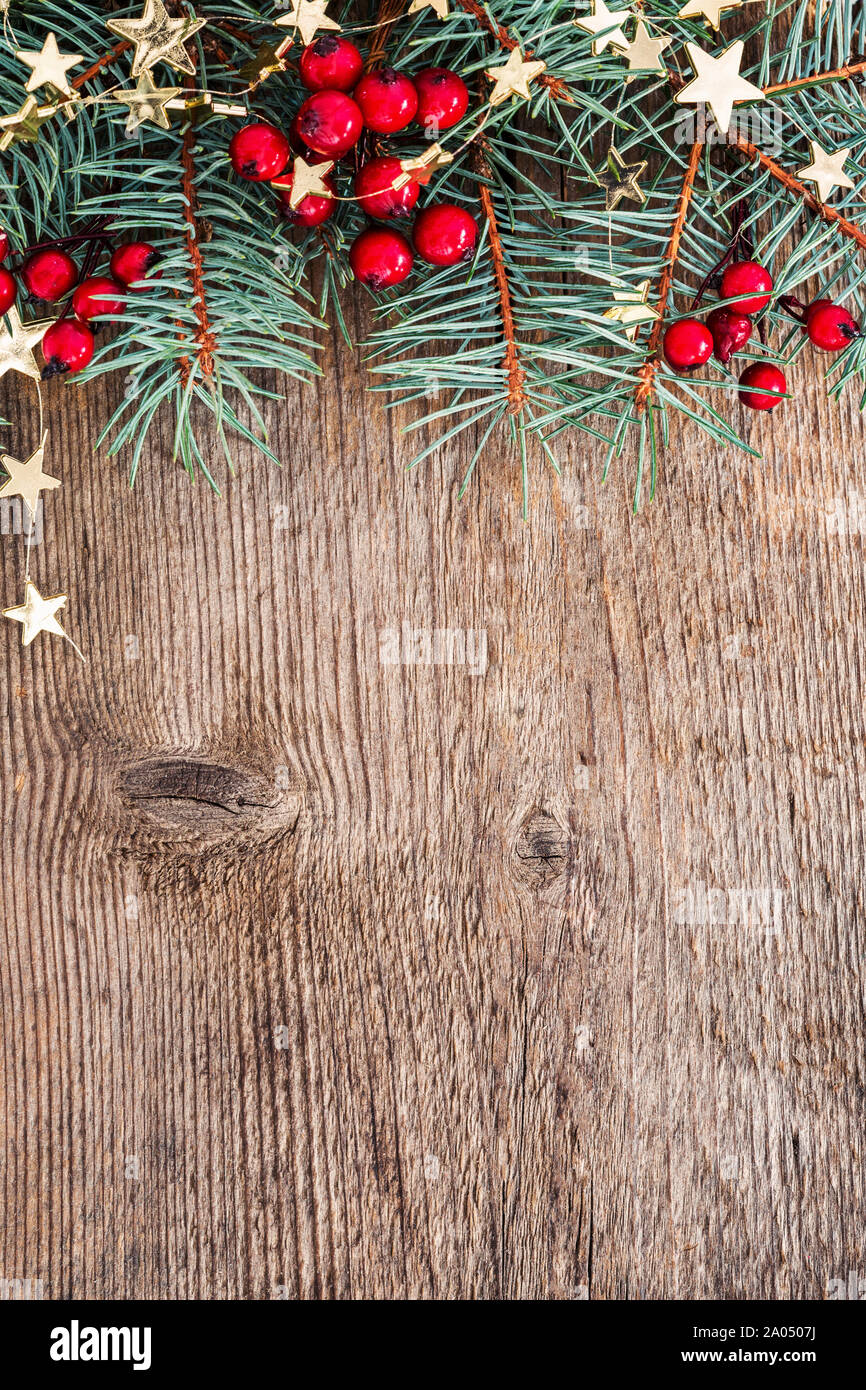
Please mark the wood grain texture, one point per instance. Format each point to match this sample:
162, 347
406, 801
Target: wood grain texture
328, 978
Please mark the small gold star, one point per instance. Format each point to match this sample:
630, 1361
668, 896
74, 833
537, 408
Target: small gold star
16, 348
440, 7
267, 60
146, 102
422, 168
710, 9
631, 308
513, 79
26, 478
157, 38
826, 170
602, 18
717, 82
49, 66
307, 180
620, 180
37, 614
644, 53
24, 123
308, 16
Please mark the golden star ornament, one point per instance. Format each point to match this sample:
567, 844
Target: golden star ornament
24, 123
439, 6
49, 66
157, 37
620, 180
514, 78
17, 344
423, 166
631, 308
308, 16
644, 53
37, 614
604, 19
307, 180
826, 170
717, 83
710, 10
26, 478
267, 60
146, 102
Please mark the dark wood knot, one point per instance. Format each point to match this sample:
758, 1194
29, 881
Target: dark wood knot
541, 850
186, 794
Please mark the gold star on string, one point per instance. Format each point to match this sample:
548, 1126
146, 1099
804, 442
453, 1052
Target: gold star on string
307, 180
146, 102
16, 348
826, 171
710, 9
49, 66
513, 79
620, 180
267, 60
37, 614
440, 6
423, 166
308, 16
644, 53
600, 19
717, 82
24, 123
26, 478
631, 308
157, 38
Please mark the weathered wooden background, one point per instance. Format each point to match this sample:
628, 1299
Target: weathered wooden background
324, 977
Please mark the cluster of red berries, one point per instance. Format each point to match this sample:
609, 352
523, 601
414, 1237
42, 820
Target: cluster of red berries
329, 124
49, 274
690, 342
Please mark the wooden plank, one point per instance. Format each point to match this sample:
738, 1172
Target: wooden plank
326, 977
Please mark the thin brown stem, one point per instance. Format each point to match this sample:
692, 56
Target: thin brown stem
204, 337
514, 373
823, 210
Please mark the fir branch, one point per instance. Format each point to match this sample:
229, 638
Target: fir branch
793, 185
554, 85
515, 376
204, 336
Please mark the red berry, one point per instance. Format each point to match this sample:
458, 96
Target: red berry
8, 290
829, 326
96, 296
66, 347
330, 123
445, 234
374, 188
312, 210
749, 285
49, 274
259, 151
387, 99
687, 344
330, 62
442, 98
731, 331
768, 385
380, 257
134, 262
4, 246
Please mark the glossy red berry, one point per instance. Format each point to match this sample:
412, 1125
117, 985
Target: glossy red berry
749, 285
768, 386
387, 99
259, 151
374, 189
330, 123
66, 347
96, 296
445, 234
731, 331
312, 210
687, 344
442, 98
829, 326
380, 257
49, 274
8, 290
330, 62
4, 245
134, 262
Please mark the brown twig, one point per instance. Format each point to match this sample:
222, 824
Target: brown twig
648, 370
78, 82
555, 85
849, 71
514, 373
204, 336
824, 211
388, 12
